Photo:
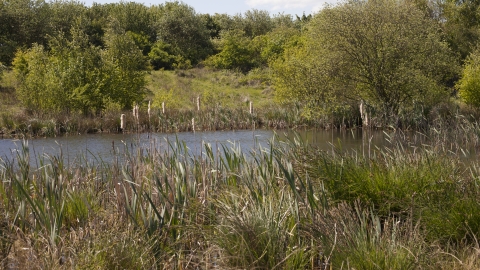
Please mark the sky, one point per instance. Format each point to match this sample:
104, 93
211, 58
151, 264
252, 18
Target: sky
232, 7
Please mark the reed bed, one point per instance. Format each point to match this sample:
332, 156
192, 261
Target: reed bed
285, 206
212, 119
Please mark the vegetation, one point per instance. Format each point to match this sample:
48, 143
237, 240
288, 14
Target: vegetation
287, 206
391, 66
78, 68
399, 60
67, 68
469, 84
225, 98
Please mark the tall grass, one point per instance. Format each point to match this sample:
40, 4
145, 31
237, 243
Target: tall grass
173, 120
285, 206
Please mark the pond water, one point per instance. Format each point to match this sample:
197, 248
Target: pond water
101, 147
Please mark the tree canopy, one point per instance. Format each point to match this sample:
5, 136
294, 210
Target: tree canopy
388, 54
469, 84
77, 76
385, 52
178, 25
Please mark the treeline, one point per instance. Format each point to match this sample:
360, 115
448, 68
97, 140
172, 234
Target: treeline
69, 57
394, 58
171, 35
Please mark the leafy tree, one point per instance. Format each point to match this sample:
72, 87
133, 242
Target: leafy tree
430, 8
236, 52
133, 17
225, 22
30, 69
126, 66
22, 23
386, 52
78, 71
299, 78
2, 69
240, 52
94, 23
142, 41
63, 14
303, 20
67, 78
469, 84
462, 24
256, 22
162, 56
212, 25
76, 76
136, 20
272, 45
177, 24
283, 20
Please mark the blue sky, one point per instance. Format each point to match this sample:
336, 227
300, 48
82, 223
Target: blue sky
233, 7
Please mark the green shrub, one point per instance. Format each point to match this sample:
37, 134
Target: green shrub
469, 84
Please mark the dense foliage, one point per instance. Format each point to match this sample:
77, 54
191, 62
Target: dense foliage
76, 76
384, 52
469, 84
392, 56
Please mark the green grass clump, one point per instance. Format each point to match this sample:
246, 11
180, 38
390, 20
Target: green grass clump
391, 181
363, 241
258, 232
77, 208
116, 247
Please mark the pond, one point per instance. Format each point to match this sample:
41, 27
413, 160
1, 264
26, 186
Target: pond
101, 147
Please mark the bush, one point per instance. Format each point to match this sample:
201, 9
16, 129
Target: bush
469, 84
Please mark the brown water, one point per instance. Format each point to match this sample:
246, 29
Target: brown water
101, 147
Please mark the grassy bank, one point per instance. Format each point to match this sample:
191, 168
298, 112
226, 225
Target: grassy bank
289, 206
224, 96
23, 125
224, 99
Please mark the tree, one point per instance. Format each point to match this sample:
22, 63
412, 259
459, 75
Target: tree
31, 70
94, 23
2, 69
236, 52
224, 22
177, 24
299, 78
462, 24
255, 22
125, 64
283, 20
77, 73
469, 84
136, 20
22, 23
62, 16
67, 78
163, 56
133, 17
272, 45
385, 52
76, 76
212, 25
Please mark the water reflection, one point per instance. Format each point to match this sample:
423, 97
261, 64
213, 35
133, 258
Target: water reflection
102, 147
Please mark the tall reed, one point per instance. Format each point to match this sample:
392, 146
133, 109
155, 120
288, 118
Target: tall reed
284, 206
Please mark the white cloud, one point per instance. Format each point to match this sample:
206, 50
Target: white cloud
281, 5
318, 7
